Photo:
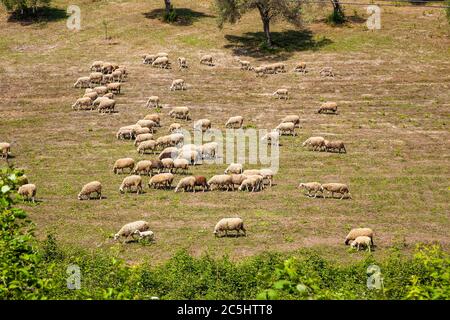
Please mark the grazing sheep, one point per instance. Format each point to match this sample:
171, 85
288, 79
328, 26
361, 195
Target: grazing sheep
235, 168
326, 72
181, 164
147, 145
328, 107
143, 167
362, 241
107, 68
82, 82
82, 102
251, 172
90, 188
114, 87
170, 152
96, 66
311, 187
108, 95
107, 105
91, 95
177, 84
161, 180
286, 128
179, 113
317, 143
202, 124
141, 130
97, 101
157, 165
252, 183
281, 94
117, 75
123, 163
332, 146
230, 224
161, 62
186, 184
154, 117
152, 102
150, 124
95, 77
148, 58
176, 139
192, 156
221, 181
182, 63
272, 137
164, 141
146, 235
337, 188
278, 67
167, 164
260, 71
200, 181
209, 150
234, 122
292, 118
245, 65
300, 67
207, 60
142, 137
125, 134
237, 179
5, 149
124, 72
131, 181
28, 191
267, 175
358, 232
174, 127
130, 228
101, 90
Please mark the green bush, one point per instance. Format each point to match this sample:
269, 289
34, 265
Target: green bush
336, 17
447, 3
171, 16
23, 6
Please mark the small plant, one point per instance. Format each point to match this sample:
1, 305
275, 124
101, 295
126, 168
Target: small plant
336, 17
171, 16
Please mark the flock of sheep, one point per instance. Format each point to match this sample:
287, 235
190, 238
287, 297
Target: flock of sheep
105, 81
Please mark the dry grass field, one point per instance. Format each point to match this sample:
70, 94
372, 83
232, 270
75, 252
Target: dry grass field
392, 87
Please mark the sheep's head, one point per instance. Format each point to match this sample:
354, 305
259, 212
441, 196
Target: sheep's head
353, 244
116, 236
301, 185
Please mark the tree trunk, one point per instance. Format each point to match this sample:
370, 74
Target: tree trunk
336, 7
266, 24
168, 6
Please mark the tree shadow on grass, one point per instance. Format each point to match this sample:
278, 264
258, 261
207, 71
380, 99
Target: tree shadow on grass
285, 44
185, 16
41, 15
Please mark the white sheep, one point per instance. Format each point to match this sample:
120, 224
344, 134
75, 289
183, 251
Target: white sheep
181, 164
150, 124
209, 150
82, 82
177, 84
154, 117
252, 183
337, 188
358, 232
95, 77
131, 181
286, 128
207, 59
114, 87
142, 137
317, 143
245, 65
91, 95
267, 175
89, 189
169, 152
328, 107
167, 164
163, 180
124, 163
234, 122
161, 62
235, 168
193, 156
300, 67
147, 145
96, 66
107, 105
101, 90
292, 118
186, 184
130, 228
174, 127
143, 167
146, 235
5, 149
202, 125
230, 224
221, 181
272, 137
337, 145
106, 78
326, 72
82, 102
281, 94
182, 63
311, 187
362, 241
152, 102
28, 191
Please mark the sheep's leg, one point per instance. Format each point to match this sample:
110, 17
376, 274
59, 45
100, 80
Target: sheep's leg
342, 196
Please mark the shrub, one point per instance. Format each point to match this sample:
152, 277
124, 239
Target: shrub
24, 6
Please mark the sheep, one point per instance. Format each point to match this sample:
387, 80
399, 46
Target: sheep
106, 105
317, 143
337, 188
161, 62
167, 164
5, 149
163, 180
272, 137
358, 232
286, 128
278, 67
115, 66
209, 150
192, 156
200, 181
122, 164
162, 54
182, 63
252, 183
82, 82
235, 168
234, 122
300, 67
292, 118
337, 145
328, 107
170, 152
124, 72
311, 187
237, 179
186, 184
326, 72
106, 68
245, 65
108, 95
125, 133
148, 58
96, 66
142, 167
177, 84
180, 113
152, 102
164, 141
131, 181
281, 94
207, 60
150, 124
157, 165
91, 95
101, 90
202, 125
251, 172
141, 130
114, 87
260, 71
28, 191
130, 228
154, 117
146, 145
221, 181
147, 235
117, 75
267, 175
82, 102
95, 77
229, 224
181, 164
362, 241
174, 127
142, 137
90, 188
88, 90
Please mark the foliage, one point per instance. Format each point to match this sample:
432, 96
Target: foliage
171, 16
337, 16
24, 6
447, 3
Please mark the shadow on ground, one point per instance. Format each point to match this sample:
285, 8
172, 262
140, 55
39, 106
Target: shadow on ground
41, 15
286, 43
185, 16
